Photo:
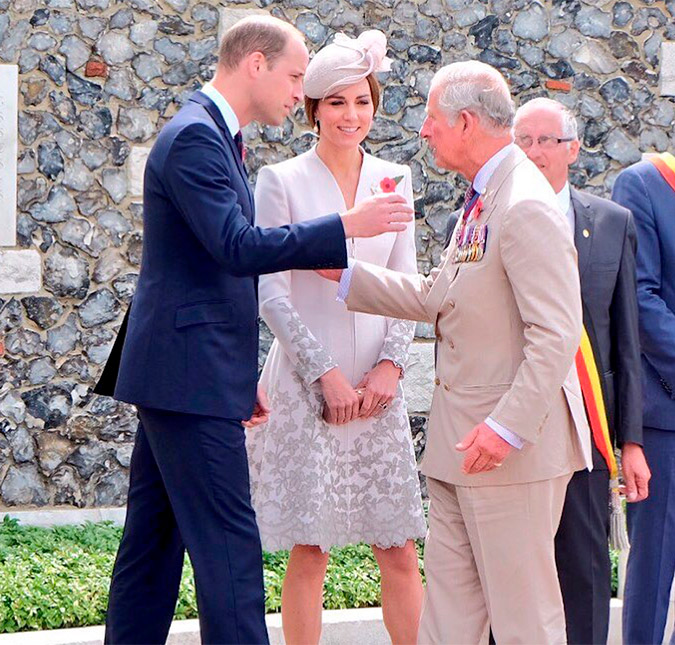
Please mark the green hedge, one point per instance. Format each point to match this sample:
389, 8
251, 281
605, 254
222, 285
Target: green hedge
56, 578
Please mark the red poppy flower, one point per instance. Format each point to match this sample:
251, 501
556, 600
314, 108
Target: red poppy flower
388, 185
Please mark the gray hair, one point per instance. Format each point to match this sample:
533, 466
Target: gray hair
568, 121
477, 88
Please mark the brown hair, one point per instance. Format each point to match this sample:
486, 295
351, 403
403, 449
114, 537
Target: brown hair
264, 34
312, 104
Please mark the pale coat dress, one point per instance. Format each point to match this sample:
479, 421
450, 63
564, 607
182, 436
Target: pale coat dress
314, 483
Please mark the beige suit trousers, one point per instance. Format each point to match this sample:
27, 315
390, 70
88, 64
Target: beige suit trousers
489, 559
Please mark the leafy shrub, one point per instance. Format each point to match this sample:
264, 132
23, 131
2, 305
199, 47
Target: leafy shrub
59, 577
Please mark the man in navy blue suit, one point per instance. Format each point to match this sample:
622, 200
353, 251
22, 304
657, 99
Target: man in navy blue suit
189, 358
650, 194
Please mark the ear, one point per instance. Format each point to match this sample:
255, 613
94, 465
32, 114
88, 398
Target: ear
468, 123
573, 151
255, 63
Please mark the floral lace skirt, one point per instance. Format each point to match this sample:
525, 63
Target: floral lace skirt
325, 485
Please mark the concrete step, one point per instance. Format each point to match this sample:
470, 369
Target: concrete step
340, 627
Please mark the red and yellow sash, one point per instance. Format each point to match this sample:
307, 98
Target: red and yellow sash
589, 378
665, 164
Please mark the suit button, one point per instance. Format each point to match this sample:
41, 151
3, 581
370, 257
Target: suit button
452, 345
451, 304
437, 381
446, 387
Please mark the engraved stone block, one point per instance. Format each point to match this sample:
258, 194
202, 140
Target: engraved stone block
20, 271
137, 161
229, 16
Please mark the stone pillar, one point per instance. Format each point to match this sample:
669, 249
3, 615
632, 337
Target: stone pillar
9, 92
667, 73
419, 377
20, 270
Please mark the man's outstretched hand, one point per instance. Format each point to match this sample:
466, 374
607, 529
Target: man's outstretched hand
261, 411
378, 214
330, 274
485, 450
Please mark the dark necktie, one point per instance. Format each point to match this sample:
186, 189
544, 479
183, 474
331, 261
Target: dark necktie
239, 142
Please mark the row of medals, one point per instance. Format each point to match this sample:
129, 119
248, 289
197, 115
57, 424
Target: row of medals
471, 237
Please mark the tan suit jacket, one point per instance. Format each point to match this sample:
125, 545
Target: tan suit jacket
509, 327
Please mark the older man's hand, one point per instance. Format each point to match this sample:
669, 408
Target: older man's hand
485, 450
636, 472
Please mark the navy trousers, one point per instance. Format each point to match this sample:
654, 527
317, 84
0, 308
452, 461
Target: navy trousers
189, 489
651, 563
582, 557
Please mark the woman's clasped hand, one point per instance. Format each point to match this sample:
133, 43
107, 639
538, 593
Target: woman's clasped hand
371, 397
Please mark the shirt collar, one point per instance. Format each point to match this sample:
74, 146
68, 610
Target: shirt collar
564, 198
483, 175
230, 118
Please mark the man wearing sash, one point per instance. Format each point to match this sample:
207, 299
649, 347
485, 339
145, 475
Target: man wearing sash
648, 190
604, 236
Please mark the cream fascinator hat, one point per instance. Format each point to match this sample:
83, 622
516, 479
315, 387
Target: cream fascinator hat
346, 61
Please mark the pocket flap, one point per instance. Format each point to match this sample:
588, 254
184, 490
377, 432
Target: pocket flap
202, 313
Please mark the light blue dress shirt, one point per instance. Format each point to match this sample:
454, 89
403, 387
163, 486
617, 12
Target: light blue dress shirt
479, 184
230, 118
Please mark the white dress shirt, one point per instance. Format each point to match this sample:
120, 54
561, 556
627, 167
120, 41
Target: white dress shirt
565, 203
230, 118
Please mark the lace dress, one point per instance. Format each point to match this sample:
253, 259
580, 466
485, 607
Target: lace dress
314, 483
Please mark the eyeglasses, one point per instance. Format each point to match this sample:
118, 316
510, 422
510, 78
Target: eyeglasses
546, 142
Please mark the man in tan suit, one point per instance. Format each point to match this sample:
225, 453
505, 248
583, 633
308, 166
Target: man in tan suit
507, 426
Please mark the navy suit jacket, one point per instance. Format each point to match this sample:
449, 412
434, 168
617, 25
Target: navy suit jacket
605, 239
643, 190
192, 339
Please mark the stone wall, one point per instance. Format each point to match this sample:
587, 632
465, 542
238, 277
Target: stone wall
96, 80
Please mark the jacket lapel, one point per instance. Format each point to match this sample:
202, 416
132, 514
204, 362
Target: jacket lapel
215, 114
583, 229
503, 170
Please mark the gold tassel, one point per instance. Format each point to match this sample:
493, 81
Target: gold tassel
618, 535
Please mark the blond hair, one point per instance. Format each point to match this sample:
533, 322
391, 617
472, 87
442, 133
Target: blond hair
265, 34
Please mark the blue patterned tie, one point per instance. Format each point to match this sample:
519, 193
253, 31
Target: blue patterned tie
468, 196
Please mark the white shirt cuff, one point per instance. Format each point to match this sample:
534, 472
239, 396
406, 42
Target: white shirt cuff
505, 433
345, 281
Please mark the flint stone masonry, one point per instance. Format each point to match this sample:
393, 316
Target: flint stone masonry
97, 80
9, 84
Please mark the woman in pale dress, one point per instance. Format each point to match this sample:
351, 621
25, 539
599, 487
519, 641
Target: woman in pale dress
316, 485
